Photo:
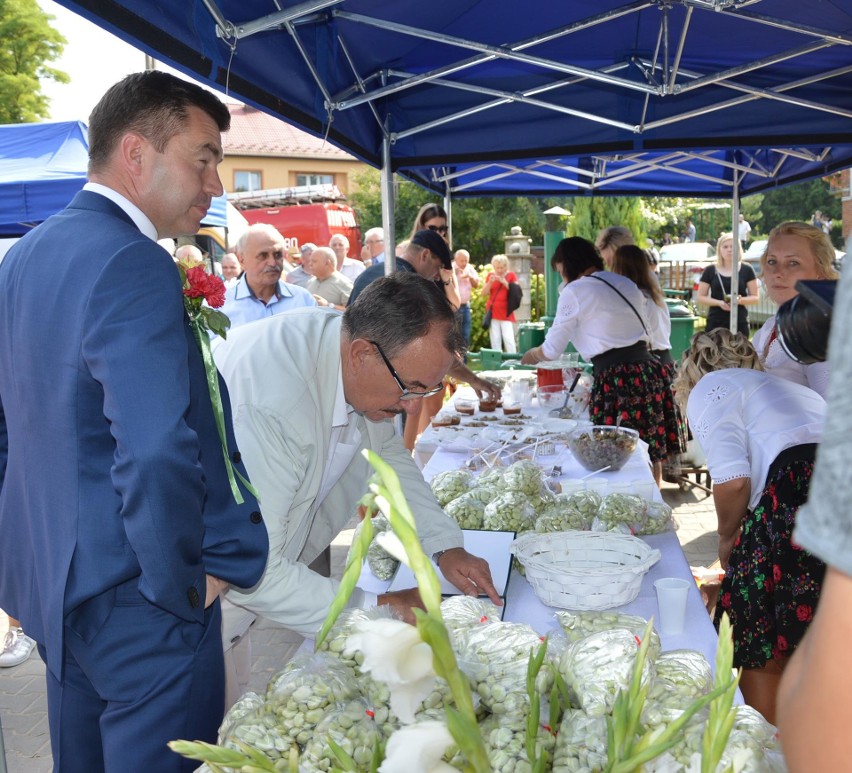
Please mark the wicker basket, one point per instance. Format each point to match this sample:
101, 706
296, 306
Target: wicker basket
584, 570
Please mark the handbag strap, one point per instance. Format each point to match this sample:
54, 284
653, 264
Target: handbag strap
613, 287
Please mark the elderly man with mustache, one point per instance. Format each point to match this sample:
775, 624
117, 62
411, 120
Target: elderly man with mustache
260, 293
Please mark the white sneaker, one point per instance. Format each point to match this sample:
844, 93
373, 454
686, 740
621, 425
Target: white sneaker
17, 647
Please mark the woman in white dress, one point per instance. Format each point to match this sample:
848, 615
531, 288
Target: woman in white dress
759, 434
795, 251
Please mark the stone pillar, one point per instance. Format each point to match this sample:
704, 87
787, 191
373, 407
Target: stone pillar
518, 252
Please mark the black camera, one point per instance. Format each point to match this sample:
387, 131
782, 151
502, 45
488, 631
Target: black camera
803, 323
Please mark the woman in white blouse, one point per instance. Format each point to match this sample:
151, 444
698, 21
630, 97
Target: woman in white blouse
605, 316
794, 251
759, 434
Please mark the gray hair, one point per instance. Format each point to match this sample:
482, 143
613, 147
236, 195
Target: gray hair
379, 232
325, 252
254, 229
339, 236
395, 310
189, 252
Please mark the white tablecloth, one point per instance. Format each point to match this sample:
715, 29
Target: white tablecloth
522, 605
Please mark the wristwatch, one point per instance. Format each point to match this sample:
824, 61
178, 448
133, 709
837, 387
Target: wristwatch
436, 557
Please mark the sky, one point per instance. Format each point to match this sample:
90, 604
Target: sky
93, 58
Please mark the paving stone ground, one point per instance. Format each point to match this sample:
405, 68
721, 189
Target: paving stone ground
23, 707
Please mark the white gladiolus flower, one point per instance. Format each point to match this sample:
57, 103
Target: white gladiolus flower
418, 748
393, 545
395, 654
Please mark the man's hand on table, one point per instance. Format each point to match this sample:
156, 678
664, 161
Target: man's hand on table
485, 388
402, 602
469, 573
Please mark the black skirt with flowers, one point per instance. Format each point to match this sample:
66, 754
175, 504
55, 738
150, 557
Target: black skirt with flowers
772, 586
641, 394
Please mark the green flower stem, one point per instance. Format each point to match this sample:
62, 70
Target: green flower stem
212, 374
722, 713
218, 756
349, 580
461, 721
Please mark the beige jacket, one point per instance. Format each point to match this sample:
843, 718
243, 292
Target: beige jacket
282, 374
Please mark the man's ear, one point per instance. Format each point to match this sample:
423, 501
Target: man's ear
132, 149
361, 353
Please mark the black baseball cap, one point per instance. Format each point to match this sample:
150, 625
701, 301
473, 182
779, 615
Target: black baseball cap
435, 243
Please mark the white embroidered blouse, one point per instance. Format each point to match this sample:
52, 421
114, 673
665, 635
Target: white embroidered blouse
744, 418
775, 360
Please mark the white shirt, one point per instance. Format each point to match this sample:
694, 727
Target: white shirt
744, 418
242, 305
660, 324
595, 318
142, 221
351, 268
776, 361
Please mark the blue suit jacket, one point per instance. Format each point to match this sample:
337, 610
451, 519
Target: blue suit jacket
110, 463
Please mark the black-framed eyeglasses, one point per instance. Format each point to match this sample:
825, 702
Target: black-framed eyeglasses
441, 229
407, 394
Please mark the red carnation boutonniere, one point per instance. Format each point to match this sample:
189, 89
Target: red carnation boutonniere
198, 287
203, 294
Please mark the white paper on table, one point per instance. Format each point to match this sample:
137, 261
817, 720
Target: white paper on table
492, 546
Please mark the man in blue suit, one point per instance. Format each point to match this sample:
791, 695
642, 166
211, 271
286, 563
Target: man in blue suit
119, 527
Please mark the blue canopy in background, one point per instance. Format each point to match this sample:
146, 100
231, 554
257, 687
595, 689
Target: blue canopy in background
42, 166
412, 85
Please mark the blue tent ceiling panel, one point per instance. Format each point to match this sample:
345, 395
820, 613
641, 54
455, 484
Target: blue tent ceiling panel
469, 81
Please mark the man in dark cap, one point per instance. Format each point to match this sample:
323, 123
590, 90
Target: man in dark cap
427, 254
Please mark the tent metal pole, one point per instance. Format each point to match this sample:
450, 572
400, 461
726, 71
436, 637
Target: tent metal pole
735, 259
387, 205
448, 208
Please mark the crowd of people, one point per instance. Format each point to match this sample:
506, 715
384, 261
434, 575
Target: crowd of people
136, 555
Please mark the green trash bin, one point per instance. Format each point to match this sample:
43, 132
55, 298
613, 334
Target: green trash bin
530, 335
683, 326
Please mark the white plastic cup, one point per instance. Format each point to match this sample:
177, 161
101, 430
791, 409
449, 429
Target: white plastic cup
521, 393
671, 604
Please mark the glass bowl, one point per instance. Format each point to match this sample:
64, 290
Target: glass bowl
602, 446
552, 396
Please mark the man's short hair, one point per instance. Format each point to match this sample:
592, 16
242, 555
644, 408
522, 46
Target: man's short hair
339, 236
254, 228
395, 310
307, 247
153, 104
376, 232
189, 252
327, 253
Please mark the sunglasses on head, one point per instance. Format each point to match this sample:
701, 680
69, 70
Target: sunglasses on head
441, 229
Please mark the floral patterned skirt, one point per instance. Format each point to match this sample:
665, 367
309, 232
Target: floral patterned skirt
641, 393
772, 586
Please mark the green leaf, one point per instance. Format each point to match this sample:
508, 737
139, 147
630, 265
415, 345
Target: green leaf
216, 321
349, 580
345, 760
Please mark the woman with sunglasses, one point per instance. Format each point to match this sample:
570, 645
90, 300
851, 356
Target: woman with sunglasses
434, 218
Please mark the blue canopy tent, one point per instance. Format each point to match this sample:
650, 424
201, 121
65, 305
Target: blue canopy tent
411, 86
42, 166
700, 174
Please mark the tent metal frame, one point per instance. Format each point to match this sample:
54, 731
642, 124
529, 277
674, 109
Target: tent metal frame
661, 76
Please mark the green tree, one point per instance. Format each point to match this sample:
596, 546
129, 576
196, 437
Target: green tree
592, 213
27, 44
798, 202
479, 224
